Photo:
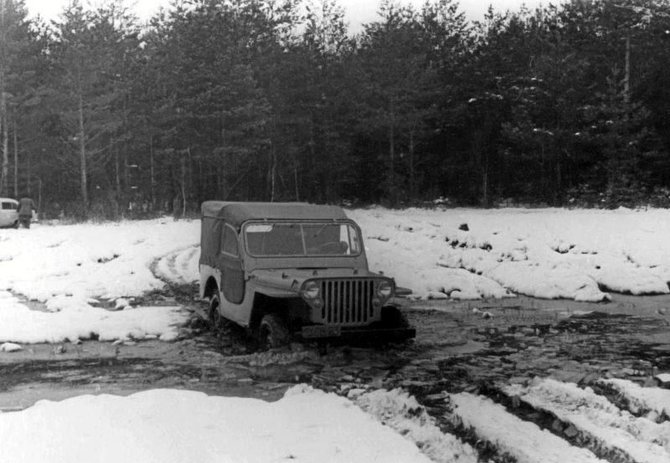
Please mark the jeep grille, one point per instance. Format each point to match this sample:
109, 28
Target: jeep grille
347, 302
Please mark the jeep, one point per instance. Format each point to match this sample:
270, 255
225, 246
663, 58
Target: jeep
293, 270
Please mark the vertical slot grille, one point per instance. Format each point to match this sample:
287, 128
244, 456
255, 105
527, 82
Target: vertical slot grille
347, 302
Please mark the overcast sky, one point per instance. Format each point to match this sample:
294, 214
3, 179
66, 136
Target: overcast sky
358, 11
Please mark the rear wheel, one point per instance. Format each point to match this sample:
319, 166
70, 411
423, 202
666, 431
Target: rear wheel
273, 332
215, 319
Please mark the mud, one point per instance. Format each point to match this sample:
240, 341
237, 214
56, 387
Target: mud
459, 346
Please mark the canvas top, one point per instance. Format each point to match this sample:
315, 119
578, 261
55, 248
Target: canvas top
236, 213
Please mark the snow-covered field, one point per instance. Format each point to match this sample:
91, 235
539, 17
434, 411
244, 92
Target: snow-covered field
80, 271
85, 278
546, 253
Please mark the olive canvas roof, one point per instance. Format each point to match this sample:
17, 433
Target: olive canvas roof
236, 213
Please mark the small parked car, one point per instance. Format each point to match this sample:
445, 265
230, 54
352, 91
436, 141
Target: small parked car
293, 270
9, 217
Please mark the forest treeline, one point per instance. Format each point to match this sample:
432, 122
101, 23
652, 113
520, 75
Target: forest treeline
277, 100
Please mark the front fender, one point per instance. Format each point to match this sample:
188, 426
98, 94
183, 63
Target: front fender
276, 284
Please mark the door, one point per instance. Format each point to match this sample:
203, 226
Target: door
232, 278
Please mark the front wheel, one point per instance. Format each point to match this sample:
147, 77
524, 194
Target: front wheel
392, 317
273, 332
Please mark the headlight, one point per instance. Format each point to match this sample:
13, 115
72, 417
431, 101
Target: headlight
385, 289
310, 290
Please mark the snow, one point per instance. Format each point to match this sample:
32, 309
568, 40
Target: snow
400, 411
650, 400
10, 347
72, 318
70, 282
640, 438
72, 269
439, 254
545, 253
170, 426
90, 260
524, 441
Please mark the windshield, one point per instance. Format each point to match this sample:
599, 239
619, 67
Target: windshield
302, 239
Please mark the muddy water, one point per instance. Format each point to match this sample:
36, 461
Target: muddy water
459, 346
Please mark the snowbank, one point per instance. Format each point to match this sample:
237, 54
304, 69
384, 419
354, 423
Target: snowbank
545, 253
170, 426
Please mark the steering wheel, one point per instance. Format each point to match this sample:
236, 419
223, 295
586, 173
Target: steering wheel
334, 247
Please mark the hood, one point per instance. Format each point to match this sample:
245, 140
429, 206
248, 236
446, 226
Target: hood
288, 281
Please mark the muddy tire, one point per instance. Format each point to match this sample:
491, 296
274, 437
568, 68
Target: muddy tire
392, 317
273, 332
215, 319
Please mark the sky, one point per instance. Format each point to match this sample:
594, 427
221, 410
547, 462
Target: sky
358, 11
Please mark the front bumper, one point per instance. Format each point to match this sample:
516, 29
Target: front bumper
363, 334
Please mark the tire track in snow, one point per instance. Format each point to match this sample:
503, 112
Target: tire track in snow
513, 438
400, 411
178, 267
600, 425
651, 402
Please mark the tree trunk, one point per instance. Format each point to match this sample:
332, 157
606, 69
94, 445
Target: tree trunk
16, 163
29, 172
5, 145
412, 168
4, 170
183, 186
82, 155
626, 79
117, 183
391, 168
152, 173
485, 186
295, 180
272, 174
559, 179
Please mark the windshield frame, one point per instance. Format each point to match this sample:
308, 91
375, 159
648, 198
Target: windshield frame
352, 226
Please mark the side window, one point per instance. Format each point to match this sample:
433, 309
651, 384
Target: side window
229, 241
354, 241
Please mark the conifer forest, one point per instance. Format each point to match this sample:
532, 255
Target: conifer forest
104, 115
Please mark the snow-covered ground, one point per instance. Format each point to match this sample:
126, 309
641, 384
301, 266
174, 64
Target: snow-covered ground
85, 278
183, 426
523, 441
546, 253
75, 270
654, 403
640, 438
401, 412
79, 272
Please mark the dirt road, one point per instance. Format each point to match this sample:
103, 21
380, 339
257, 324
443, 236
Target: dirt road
462, 343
